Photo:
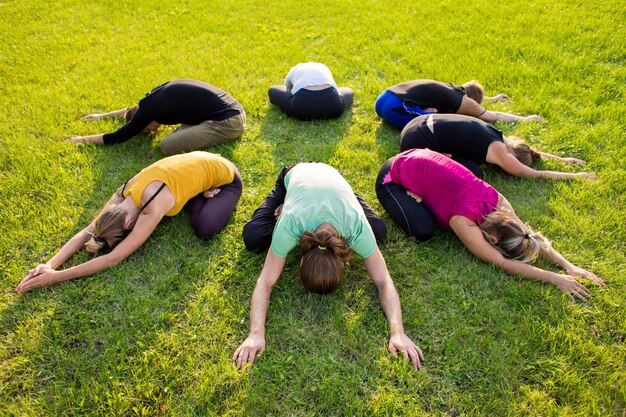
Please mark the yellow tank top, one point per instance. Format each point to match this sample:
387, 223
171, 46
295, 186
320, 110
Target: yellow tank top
186, 176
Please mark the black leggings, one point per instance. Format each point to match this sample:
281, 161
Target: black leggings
417, 139
414, 218
312, 104
257, 233
210, 215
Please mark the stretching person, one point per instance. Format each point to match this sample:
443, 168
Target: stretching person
418, 182
312, 205
310, 92
210, 183
207, 116
473, 142
400, 104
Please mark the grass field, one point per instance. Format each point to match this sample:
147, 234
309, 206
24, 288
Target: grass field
155, 335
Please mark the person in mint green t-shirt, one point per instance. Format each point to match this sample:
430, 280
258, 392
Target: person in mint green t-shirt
313, 206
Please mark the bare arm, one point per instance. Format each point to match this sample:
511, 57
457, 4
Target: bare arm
390, 302
142, 230
471, 108
97, 139
498, 155
571, 161
98, 116
556, 258
496, 98
255, 342
473, 239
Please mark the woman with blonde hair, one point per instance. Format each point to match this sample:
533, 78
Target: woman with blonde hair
473, 142
418, 185
210, 184
314, 207
401, 103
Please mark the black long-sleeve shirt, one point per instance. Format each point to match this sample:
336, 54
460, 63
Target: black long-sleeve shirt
179, 101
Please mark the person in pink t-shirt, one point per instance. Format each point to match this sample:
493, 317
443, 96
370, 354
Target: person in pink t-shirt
420, 186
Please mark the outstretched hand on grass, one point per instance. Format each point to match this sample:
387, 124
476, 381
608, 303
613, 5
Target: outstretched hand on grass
248, 350
94, 116
402, 343
40, 276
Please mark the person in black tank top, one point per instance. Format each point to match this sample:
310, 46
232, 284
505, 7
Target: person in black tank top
473, 142
400, 103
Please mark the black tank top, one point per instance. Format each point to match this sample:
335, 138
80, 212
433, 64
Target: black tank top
455, 134
445, 97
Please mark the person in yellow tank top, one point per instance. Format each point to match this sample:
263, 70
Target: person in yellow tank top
209, 183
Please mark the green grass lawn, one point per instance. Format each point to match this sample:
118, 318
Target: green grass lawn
155, 335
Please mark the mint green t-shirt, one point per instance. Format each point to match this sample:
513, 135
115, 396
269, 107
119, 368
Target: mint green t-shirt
316, 194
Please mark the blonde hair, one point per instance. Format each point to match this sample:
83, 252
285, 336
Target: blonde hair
513, 239
475, 91
130, 113
521, 150
109, 229
324, 256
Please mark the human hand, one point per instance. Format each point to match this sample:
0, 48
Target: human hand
94, 116
579, 272
573, 288
277, 212
211, 193
587, 175
246, 353
414, 196
499, 97
401, 343
574, 161
534, 118
38, 277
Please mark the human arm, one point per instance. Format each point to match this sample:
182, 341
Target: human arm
143, 228
499, 155
390, 302
97, 139
255, 342
98, 116
570, 161
496, 98
470, 107
473, 239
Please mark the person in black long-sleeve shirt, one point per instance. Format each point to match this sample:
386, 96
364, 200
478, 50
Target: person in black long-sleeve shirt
207, 115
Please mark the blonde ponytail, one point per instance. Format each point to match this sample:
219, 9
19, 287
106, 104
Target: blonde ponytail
109, 230
510, 237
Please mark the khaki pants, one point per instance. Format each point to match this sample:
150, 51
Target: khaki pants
211, 132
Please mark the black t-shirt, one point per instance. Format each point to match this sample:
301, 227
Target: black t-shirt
455, 134
180, 101
445, 97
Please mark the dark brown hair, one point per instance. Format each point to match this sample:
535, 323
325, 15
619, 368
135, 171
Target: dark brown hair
475, 91
521, 150
109, 229
324, 256
130, 113
513, 239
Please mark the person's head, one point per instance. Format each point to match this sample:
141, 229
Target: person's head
130, 113
324, 256
521, 150
111, 227
513, 239
475, 91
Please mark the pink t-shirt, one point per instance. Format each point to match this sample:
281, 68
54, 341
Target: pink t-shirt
447, 188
